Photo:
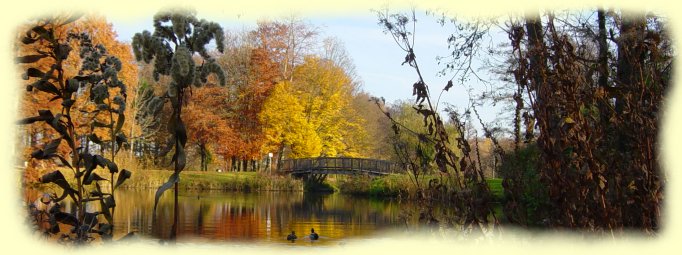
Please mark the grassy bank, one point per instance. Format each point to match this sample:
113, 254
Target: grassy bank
195, 180
496, 188
394, 185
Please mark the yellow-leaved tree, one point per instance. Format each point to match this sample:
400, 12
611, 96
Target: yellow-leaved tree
324, 90
285, 124
310, 115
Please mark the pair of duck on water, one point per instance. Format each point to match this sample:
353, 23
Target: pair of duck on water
313, 236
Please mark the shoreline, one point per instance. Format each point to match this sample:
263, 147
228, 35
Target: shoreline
390, 186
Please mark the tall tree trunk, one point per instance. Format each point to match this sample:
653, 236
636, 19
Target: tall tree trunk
603, 50
611, 173
631, 58
280, 155
132, 141
202, 153
538, 84
625, 73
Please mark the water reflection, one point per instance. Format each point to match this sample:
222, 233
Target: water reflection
266, 217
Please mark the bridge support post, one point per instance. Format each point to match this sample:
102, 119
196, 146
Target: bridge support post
315, 182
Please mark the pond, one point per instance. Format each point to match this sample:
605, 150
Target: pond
261, 217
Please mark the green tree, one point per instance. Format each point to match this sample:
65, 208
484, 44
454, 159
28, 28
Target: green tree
409, 145
411, 124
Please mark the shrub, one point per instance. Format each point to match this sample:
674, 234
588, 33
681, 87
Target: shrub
533, 205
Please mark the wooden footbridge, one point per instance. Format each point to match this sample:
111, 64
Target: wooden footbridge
304, 167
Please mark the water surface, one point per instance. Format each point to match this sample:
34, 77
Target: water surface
262, 217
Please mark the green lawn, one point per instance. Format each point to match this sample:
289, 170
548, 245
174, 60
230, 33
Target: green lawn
496, 188
396, 184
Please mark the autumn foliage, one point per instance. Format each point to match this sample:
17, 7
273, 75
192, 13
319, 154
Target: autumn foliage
598, 119
586, 96
208, 129
100, 32
47, 58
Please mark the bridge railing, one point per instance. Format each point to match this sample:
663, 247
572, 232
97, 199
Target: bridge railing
347, 164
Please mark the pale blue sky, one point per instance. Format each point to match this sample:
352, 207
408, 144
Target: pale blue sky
376, 56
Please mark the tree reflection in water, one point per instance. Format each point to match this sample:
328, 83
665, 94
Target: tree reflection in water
264, 217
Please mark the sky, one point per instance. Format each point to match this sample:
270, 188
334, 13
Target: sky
375, 54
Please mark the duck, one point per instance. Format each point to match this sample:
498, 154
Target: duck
292, 237
313, 235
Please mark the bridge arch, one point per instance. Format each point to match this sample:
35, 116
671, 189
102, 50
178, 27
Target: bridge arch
334, 165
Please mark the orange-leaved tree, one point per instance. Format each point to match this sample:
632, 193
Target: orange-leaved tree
207, 127
100, 32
